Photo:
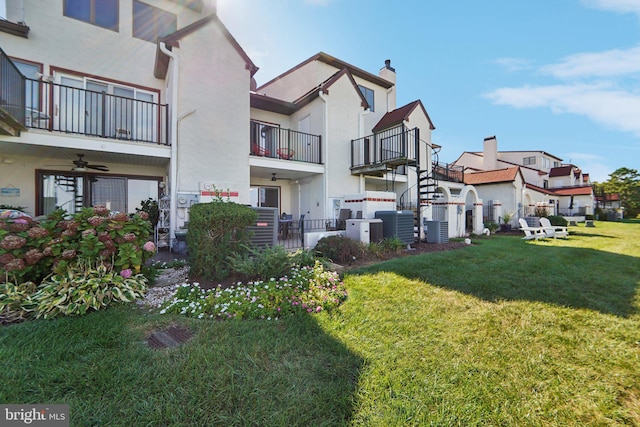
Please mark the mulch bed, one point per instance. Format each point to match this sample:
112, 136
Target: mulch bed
416, 249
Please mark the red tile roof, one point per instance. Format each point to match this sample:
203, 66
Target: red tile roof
492, 177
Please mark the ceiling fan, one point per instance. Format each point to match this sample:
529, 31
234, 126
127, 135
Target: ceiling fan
274, 178
81, 165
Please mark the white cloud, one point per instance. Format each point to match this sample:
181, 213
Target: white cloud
613, 108
622, 6
614, 62
513, 64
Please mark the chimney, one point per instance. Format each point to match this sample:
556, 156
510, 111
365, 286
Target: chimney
490, 153
389, 73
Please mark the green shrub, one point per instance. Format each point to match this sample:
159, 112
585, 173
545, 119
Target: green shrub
492, 226
541, 212
217, 230
387, 247
340, 249
267, 263
80, 289
558, 221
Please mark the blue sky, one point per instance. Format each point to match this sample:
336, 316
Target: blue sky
562, 76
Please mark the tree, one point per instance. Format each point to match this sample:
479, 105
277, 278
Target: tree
625, 182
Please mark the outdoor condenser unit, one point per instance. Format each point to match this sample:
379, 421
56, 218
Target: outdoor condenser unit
437, 231
265, 229
397, 224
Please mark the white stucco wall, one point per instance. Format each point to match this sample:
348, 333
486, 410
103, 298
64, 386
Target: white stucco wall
58, 41
213, 137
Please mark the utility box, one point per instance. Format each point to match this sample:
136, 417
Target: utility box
397, 224
360, 229
436, 231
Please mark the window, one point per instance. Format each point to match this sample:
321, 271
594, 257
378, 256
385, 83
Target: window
73, 191
368, 95
149, 22
529, 160
265, 197
103, 13
106, 109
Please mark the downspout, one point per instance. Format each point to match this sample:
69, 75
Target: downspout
173, 193
361, 184
326, 151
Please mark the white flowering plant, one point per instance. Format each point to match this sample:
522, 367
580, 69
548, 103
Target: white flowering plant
305, 290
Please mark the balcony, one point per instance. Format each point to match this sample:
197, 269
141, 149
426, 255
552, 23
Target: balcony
376, 154
449, 173
39, 104
12, 97
285, 144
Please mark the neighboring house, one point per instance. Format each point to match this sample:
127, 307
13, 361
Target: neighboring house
156, 99
522, 182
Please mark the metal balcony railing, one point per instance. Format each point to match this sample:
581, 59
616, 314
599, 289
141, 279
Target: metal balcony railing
59, 108
393, 146
279, 143
12, 89
447, 172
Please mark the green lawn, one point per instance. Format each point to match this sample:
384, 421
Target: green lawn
504, 332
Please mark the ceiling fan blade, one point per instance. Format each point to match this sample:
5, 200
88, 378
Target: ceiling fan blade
98, 167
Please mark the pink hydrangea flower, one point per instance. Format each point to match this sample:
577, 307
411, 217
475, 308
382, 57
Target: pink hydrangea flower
149, 247
126, 273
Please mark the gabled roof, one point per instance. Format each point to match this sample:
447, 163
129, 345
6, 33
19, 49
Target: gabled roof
265, 102
173, 40
399, 115
337, 63
493, 177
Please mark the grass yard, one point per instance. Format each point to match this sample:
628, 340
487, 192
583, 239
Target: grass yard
504, 332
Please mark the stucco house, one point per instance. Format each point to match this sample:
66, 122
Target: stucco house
523, 182
113, 102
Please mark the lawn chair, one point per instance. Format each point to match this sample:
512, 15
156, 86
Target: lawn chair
553, 230
531, 232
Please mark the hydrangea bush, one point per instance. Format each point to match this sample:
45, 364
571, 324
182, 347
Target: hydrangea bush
31, 250
305, 290
69, 264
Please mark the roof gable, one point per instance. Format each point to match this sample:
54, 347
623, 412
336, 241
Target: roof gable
324, 88
337, 63
173, 40
399, 115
